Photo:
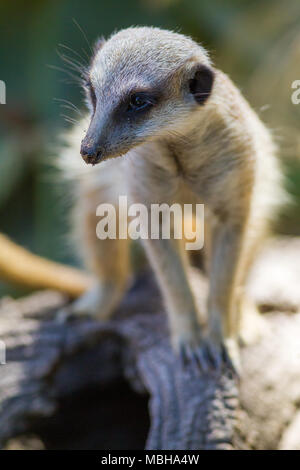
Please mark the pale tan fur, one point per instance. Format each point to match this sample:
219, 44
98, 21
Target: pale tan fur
225, 157
18, 265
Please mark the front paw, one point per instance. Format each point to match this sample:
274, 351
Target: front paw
206, 354
222, 354
190, 350
194, 352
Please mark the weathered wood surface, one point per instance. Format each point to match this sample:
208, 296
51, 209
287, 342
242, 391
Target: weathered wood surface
48, 359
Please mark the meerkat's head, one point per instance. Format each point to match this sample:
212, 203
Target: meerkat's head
143, 84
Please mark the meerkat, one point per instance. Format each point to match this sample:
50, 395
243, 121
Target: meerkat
184, 133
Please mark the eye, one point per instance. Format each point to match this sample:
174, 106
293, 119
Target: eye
138, 102
90, 91
93, 96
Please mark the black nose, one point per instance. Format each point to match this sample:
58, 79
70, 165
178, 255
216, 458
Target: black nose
90, 152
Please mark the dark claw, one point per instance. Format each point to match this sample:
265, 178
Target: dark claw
215, 355
206, 357
225, 356
228, 361
186, 354
196, 358
202, 359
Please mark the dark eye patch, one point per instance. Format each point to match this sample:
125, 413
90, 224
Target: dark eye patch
140, 101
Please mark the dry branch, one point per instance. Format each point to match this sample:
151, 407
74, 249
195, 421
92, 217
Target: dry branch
48, 360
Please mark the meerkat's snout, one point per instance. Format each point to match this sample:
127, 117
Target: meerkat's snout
91, 152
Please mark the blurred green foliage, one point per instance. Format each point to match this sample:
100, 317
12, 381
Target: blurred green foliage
256, 41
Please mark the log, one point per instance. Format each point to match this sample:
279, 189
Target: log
56, 369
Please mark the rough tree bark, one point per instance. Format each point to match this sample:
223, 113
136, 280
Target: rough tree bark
49, 360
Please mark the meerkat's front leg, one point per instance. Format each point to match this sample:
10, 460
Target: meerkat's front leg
170, 265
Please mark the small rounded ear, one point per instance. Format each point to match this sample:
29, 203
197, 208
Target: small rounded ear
202, 82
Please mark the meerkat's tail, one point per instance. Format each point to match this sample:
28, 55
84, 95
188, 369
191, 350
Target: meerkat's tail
19, 266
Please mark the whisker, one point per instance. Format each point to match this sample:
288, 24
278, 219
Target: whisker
75, 78
68, 105
70, 108
64, 46
86, 54
83, 34
69, 119
73, 63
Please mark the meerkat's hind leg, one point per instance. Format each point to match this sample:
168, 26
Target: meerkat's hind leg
105, 295
107, 258
112, 270
99, 301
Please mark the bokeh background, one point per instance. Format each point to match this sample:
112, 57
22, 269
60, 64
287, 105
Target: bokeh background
257, 42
